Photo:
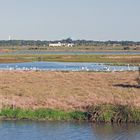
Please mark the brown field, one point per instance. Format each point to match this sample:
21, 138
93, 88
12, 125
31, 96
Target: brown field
67, 90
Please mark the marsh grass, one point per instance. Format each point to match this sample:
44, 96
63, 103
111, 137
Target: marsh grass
114, 114
116, 59
102, 113
67, 90
107, 102
41, 114
138, 78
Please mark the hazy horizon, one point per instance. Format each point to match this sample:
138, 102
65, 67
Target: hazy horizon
65, 39
55, 20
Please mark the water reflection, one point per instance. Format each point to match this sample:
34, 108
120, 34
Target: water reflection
28, 130
44, 131
117, 132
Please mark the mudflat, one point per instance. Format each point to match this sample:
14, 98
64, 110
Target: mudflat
67, 90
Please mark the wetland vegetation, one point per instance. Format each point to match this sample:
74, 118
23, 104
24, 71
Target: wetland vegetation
97, 114
63, 96
116, 59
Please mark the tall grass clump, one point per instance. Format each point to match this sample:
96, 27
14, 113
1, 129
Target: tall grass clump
138, 78
114, 114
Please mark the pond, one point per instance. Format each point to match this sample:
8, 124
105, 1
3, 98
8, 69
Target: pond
65, 66
29, 130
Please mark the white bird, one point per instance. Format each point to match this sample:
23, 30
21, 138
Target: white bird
129, 67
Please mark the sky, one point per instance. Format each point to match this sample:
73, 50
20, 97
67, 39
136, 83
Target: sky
77, 19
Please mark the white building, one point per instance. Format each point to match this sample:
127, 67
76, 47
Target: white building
59, 44
70, 45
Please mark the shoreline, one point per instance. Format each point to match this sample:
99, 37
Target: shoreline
113, 114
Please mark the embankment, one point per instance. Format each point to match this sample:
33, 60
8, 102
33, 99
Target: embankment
94, 96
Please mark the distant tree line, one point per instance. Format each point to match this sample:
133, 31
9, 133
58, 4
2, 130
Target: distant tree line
68, 40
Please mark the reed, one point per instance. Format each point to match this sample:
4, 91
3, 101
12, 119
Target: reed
114, 114
138, 78
102, 113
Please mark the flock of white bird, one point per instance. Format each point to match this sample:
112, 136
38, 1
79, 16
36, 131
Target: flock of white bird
83, 68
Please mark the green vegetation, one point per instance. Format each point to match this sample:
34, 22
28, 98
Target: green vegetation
75, 48
116, 59
41, 114
138, 78
100, 113
86, 45
114, 113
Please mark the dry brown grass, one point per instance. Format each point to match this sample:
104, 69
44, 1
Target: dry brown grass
124, 58
67, 90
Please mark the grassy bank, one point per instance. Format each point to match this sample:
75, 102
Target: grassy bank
42, 114
96, 97
117, 59
101, 113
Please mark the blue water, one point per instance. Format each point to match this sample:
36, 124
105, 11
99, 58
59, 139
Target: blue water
72, 52
28, 130
65, 66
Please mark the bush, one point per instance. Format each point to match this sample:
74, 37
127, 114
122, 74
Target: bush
126, 48
138, 79
114, 113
